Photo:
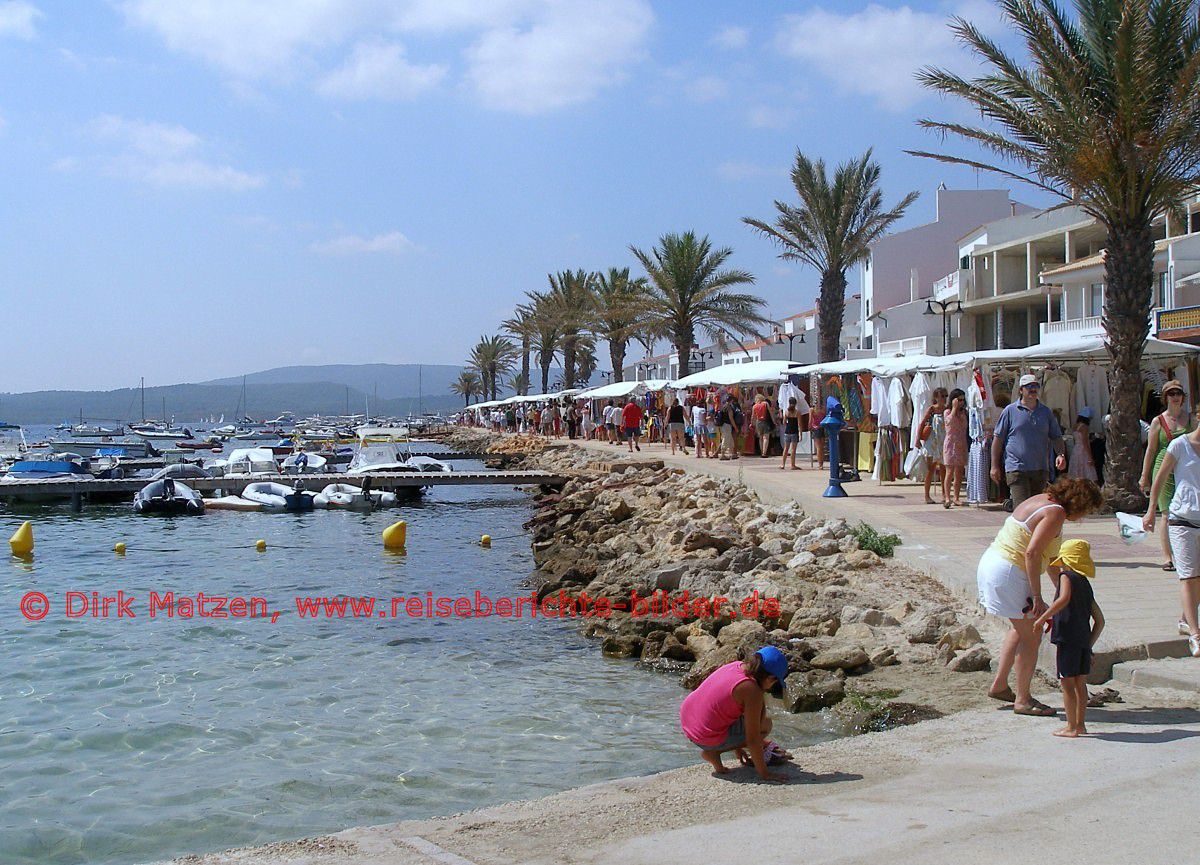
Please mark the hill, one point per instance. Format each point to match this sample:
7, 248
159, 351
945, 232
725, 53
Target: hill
389, 380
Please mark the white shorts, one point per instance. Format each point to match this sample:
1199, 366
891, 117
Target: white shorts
1185, 550
1003, 587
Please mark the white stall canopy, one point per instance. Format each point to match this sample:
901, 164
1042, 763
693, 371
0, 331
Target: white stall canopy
754, 372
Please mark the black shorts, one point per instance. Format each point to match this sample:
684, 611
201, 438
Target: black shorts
1073, 660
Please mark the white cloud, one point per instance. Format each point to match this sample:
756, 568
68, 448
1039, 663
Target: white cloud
392, 242
161, 154
563, 57
877, 51
731, 38
769, 117
378, 70
527, 56
18, 19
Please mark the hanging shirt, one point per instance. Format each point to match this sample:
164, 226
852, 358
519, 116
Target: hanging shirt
1091, 390
920, 394
1056, 394
898, 402
880, 404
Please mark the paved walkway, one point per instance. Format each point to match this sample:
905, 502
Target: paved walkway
1140, 600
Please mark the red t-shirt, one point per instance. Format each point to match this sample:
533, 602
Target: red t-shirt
631, 415
760, 411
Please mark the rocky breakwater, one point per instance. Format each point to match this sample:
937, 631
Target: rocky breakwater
699, 572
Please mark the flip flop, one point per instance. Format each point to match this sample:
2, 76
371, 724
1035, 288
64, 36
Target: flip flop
1169, 566
1005, 696
1035, 709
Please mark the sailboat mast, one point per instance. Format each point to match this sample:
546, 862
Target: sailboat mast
143, 386
420, 393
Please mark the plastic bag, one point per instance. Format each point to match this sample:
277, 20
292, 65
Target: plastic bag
1129, 526
916, 465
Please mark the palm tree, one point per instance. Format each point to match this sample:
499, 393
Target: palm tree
467, 385
492, 357
616, 307
518, 382
832, 230
585, 359
571, 295
1107, 117
547, 334
521, 325
689, 290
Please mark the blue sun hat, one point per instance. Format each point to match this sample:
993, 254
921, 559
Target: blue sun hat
774, 662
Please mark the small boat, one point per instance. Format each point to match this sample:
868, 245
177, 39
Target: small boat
167, 497
303, 463
159, 432
232, 503
180, 470
84, 431
346, 496
281, 448
249, 461
128, 448
22, 471
212, 442
277, 497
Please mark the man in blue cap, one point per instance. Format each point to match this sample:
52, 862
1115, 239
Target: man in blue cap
728, 712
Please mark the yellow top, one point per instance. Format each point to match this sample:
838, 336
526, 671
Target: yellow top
1076, 555
1013, 540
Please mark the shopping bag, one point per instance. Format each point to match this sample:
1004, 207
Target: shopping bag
916, 465
1130, 527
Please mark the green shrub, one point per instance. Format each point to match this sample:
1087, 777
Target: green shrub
869, 539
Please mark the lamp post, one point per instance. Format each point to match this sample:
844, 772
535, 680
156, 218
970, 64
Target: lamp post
644, 369
607, 376
780, 336
944, 307
695, 361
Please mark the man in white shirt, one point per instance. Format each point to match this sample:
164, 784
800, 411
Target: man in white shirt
699, 430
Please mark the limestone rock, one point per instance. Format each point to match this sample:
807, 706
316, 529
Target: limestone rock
701, 644
927, 625
856, 631
822, 548
619, 511
736, 633
705, 664
840, 658
944, 653
962, 637
872, 617
885, 657
860, 559
972, 661
813, 690
900, 611
622, 646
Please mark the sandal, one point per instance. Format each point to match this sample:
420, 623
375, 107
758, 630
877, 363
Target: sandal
1035, 709
1005, 696
1168, 566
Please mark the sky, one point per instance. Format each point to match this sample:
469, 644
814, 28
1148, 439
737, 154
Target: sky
205, 188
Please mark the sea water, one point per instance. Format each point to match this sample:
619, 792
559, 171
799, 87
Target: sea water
126, 740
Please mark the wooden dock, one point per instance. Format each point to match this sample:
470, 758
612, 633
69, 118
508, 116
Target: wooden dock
81, 490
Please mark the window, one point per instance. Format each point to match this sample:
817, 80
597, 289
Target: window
1195, 222
964, 263
1093, 300
1160, 293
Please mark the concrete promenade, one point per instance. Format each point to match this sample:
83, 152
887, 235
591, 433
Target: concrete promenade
1140, 600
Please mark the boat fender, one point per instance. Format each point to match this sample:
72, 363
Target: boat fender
21, 542
395, 535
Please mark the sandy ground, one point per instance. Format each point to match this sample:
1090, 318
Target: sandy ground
983, 785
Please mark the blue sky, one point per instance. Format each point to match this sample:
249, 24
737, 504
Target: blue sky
202, 188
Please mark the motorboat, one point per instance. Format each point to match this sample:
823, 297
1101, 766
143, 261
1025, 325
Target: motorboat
168, 497
232, 503
278, 497
181, 470
252, 435
346, 496
125, 448
13, 446
84, 431
429, 464
160, 432
282, 448
379, 457
23, 471
303, 463
249, 461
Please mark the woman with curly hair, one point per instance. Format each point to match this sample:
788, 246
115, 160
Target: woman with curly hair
1010, 580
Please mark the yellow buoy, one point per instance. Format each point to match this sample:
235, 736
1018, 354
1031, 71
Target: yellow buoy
119, 548
395, 535
485, 541
260, 545
22, 540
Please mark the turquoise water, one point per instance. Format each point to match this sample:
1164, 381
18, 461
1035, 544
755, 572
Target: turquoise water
130, 740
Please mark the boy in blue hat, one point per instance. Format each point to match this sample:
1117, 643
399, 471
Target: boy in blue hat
1075, 624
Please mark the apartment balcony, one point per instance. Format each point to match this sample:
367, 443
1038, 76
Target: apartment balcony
1181, 324
1071, 329
953, 285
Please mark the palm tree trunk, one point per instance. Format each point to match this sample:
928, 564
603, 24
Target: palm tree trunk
569, 362
616, 355
831, 309
1129, 275
546, 375
525, 365
685, 339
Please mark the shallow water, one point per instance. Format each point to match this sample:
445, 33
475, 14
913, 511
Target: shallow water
130, 740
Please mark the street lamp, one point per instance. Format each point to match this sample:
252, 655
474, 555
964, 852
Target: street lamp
791, 338
645, 367
607, 376
695, 361
944, 307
